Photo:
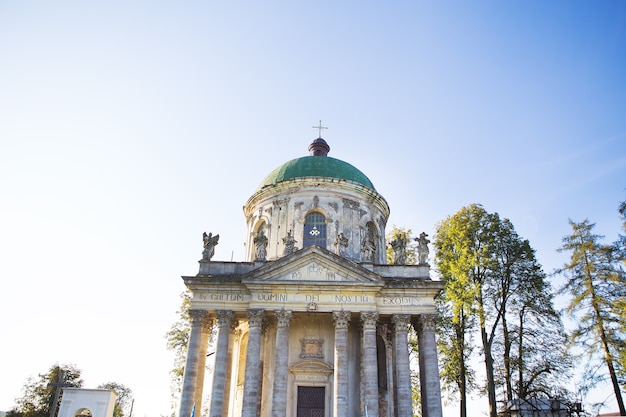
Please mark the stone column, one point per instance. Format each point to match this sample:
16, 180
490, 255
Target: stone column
204, 345
341, 319
228, 380
281, 363
429, 367
370, 363
195, 363
403, 371
253, 355
224, 321
385, 333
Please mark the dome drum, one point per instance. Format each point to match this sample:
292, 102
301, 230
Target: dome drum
350, 212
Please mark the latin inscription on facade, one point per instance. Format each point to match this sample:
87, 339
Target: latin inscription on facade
270, 296
401, 301
311, 298
352, 299
311, 378
232, 297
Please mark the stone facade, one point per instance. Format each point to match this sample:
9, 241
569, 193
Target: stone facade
315, 322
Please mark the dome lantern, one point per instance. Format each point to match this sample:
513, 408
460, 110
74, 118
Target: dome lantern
319, 147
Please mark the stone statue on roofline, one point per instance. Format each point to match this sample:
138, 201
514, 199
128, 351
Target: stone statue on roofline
422, 248
210, 242
398, 244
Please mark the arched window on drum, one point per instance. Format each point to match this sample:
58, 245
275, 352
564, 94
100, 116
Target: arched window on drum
314, 230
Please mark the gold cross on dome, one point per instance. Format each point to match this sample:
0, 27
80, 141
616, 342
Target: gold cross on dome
319, 129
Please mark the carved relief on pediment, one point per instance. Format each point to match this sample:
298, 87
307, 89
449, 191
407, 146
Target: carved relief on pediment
314, 271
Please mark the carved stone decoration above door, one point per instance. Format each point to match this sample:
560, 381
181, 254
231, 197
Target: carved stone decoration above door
312, 348
311, 371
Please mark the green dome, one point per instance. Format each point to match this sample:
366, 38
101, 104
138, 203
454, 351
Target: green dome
316, 166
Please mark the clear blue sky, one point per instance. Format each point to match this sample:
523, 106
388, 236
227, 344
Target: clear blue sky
129, 128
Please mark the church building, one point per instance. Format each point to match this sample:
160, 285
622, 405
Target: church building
315, 322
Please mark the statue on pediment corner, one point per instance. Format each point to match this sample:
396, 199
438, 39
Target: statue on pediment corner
210, 242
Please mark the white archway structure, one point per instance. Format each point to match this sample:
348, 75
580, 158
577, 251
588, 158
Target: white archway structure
76, 401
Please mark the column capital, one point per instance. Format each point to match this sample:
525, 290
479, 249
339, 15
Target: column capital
224, 317
341, 319
369, 319
255, 317
401, 321
283, 318
200, 318
426, 322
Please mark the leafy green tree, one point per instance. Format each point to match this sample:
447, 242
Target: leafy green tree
124, 403
177, 340
38, 394
596, 283
465, 258
528, 346
493, 283
534, 361
455, 348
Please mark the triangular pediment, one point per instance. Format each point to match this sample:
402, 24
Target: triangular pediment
312, 264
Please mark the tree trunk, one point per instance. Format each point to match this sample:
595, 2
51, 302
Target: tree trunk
491, 387
460, 340
521, 391
507, 360
608, 358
